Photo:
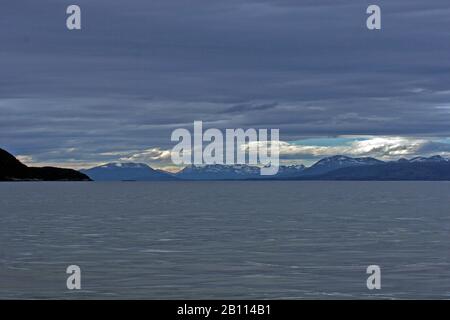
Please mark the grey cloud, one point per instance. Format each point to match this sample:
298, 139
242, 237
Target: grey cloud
239, 108
139, 69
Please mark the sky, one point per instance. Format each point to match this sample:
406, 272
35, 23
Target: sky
138, 69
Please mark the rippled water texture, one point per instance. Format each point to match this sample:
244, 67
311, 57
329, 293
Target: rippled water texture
248, 240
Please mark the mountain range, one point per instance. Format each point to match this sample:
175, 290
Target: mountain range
434, 168
330, 168
329, 164
233, 172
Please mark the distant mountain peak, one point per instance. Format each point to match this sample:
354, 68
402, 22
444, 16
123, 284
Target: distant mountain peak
339, 161
347, 158
435, 158
233, 172
119, 171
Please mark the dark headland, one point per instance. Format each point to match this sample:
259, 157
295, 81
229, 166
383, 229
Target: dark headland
12, 169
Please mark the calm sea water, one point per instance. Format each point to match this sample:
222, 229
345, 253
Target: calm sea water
227, 240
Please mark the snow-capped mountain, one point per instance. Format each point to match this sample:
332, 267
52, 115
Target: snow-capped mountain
332, 168
218, 172
429, 159
336, 162
234, 172
117, 171
417, 169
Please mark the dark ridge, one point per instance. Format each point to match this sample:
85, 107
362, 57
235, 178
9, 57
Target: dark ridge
398, 171
12, 169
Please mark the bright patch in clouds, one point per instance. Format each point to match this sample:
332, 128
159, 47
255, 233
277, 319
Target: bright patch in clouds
385, 148
308, 151
305, 151
148, 156
25, 159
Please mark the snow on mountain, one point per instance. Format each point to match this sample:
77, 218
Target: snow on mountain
233, 172
336, 162
117, 171
217, 171
429, 159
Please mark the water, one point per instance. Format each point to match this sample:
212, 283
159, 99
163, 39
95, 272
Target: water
250, 240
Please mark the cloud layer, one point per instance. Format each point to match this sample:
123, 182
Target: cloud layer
140, 69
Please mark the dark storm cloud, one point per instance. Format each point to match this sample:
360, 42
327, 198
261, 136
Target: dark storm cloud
138, 69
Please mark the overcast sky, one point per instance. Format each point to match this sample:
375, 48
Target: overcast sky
139, 69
